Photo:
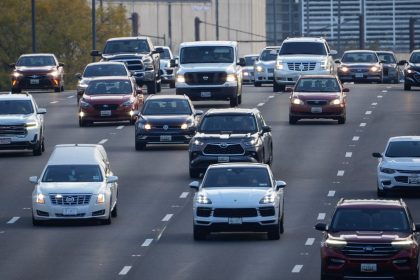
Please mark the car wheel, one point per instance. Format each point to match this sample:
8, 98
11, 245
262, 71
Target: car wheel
240, 99
62, 88
234, 101
151, 87
82, 123
257, 84
274, 233
114, 212
159, 87
381, 193
270, 159
36, 222
140, 146
43, 145
132, 121
57, 89
194, 173
341, 120
282, 224
199, 233
172, 85
108, 220
37, 150
293, 120
324, 277
407, 86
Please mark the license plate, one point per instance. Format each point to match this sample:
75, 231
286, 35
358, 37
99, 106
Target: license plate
106, 113
316, 109
34, 81
69, 211
414, 180
223, 159
165, 138
235, 221
368, 267
5, 141
205, 94
359, 75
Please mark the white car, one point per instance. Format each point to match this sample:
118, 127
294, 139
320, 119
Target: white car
238, 197
167, 73
76, 183
399, 165
264, 66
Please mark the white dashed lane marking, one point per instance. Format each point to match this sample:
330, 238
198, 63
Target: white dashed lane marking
331, 193
125, 270
53, 102
13, 220
103, 141
120, 127
321, 216
379, 96
147, 242
340, 173
167, 217
355, 138
71, 96
374, 103
271, 96
297, 268
184, 195
260, 104
309, 241
384, 90
368, 113
362, 124
349, 154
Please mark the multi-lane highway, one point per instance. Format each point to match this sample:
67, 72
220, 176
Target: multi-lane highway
152, 236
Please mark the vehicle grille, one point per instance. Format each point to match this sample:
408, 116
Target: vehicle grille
77, 215
301, 66
132, 64
270, 70
223, 149
267, 211
359, 70
205, 78
168, 127
401, 179
317, 102
13, 130
70, 199
235, 212
409, 171
373, 250
169, 71
204, 211
101, 107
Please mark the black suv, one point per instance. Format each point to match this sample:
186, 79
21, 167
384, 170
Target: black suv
411, 70
230, 135
370, 239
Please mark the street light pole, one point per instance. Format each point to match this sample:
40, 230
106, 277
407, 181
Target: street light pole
339, 28
93, 27
33, 27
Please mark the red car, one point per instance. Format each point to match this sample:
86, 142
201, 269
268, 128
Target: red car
370, 239
317, 97
110, 99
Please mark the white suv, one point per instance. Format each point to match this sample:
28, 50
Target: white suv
21, 123
302, 56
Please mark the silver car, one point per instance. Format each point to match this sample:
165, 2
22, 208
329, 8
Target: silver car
264, 66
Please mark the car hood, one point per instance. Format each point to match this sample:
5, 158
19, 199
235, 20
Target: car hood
206, 67
15, 119
302, 57
269, 63
100, 98
235, 197
316, 96
165, 119
122, 56
72, 187
402, 163
39, 69
359, 65
369, 236
223, 137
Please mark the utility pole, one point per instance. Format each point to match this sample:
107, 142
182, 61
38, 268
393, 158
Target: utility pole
170, 24
307, 18
275, 22
33, 27
339, 28
197, 22
93, 27
361, 32
134, 24
217, 19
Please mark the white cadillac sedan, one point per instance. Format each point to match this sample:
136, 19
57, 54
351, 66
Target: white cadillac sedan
238, 197
399, 165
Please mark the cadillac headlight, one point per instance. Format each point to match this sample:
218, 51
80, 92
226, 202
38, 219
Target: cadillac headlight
297, 101
279, 65
323, 65
40, 198
100, 199
231, 78
203, 199
268, 198
259, 68
180, 78
387, 170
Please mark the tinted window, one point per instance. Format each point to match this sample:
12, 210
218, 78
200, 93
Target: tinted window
415, 57
19, 107
165, 54
249, 60
36, 61
72, 173
127, 46
374, 219
387, 57
403, 149
237, 177
228, 124
268, 54
303, 48
207, 54
317, 85
105, 70
109, 87
363, 57
166, 107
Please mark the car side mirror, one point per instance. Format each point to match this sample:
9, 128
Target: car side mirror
158, 50
42, 111
111, 179
402, 62
321, 227
139, 91
266, 129
382, 61
337, 61
377, 155
95, 53
280, 184
194, 185
289, 89
61, 64
417, 229
241, 62
78, 75
346, 90
173, 63
198, 112
34, 180
333, 52
12, 65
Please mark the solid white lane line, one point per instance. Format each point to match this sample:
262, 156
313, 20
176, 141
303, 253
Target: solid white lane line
125, 270
363, 124
349, 154
120, 127
309, 241
13, 220
355, 138
340, 173
321, 216
184, 195
374, 103
103, 141
53, 102
167, 217
260, 104
147, 242
331, 193
368, 113
297, 268
379, 96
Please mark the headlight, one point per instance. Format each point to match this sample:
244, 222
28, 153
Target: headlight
84, 104
297, 101
268, 198
202, 199
335, 102
410, 71
259, 69
344, 69
335, 243
197, 142
387, 170
31, 125
16, 74
323, 64
180, 78
251, 142
245, 73
100, 199
128, 103
279, 65
54, 74
40, 198
184, 126
145, 126
375, 69
402, 244
231, 78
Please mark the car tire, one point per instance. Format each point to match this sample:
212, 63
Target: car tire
132, 121
257, 84
82, 123
195, 173
57, 89
293, 120
108, 220
341, 120
37, 150
151, 87
172, 84
282, 224
199, 233
240, 99
234, 101
380, 193
114, 212
36, 222
274, 233
43, 145
140, 146
407, 86
159, 87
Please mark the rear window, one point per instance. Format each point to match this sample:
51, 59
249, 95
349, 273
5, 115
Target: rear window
72, 173
105, 70
303, 48
247, 177
403, 149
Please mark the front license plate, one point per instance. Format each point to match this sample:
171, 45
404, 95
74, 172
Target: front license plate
165, 138
316, 109
368, 267
235, 221
106, 113
5, 141
223, 159
205, 94
34, 82
414, 180
359, 75
69, 211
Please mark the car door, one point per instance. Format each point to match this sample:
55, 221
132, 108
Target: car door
265, 137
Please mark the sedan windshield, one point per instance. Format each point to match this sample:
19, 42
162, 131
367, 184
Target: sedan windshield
303, 48
207, 54
72, 173
403, 149
105, 70
165, 54
109, 87
317, 85
228, 124
268, 55
127, 46
359, 57
249, 60
36, 61
415, 57
365, 219
166, 107
16, 107
247, 177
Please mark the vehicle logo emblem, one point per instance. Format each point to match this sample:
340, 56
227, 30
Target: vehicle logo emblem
70, 199
301, 67
34, 76
165, 127
223, 145
205, 78
105, 106
369, 249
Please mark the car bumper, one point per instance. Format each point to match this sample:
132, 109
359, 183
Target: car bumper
364, 78
94, 115
55, 212
398, 181
161, 137
208, 93
315, 112
412, 80
41, 83
285, 77
27, 142
263, 77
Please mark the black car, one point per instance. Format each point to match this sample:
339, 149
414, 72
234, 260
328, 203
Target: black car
411, 70
166, 119
390, 67
230, 135
360, 66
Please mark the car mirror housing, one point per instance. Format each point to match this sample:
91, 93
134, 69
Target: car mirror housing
280, 184
417, 229
241, 62
173, 63
199, 112
337, 61
111, 179
42, 111
78, 75
158, 50
95, 53
289, 89
346, 90
194, 185
61, 64
12, 65
377, 155
266, 129
321, 227
34, 180
402, 62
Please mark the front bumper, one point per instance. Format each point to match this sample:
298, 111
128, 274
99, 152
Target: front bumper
94, 115
363, 77
412, 79
42, 82
224, 92
398, 181
24, 142
264, 77
200, 161
317, 112
164, 137
287, 77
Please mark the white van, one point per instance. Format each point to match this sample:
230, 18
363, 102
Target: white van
76, 183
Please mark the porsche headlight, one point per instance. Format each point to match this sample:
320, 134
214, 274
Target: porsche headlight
297, 101
203, 199
268, 198
387, 170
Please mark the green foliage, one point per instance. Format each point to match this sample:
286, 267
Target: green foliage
63, 27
